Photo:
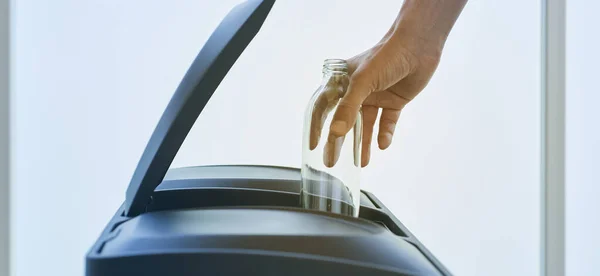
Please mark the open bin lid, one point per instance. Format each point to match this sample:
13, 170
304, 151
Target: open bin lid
177, 231
208, 69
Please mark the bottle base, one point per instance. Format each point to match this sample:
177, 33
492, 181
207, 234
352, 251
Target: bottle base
319, 203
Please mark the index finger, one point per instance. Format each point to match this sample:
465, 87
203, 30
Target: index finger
323, 105
348, 108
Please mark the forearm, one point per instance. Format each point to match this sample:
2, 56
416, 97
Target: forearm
430, 20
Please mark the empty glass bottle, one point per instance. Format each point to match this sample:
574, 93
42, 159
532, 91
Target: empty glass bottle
330, 167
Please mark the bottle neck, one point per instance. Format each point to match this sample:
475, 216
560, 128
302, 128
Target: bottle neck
330, 74
335, 77
335, 67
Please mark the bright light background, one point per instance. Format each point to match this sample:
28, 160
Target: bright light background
582, 139
93, 77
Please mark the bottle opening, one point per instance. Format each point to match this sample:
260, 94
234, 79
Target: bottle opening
335, 66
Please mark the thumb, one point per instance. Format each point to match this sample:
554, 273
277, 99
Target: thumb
348, 107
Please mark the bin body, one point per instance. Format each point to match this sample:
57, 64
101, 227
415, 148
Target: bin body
246, 220
239, 220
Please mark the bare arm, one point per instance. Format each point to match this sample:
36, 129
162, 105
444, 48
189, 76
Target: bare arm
392, 73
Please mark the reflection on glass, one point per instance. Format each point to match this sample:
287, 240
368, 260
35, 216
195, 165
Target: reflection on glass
330, 166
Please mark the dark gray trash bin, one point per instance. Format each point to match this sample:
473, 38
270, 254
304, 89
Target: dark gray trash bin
239, 220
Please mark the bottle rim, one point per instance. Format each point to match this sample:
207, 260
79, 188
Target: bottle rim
335, 65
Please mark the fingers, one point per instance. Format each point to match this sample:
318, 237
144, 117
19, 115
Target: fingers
343, 120
322, 107
387, 125
347, 110
369, 114
358, 134
317, 120
332, 150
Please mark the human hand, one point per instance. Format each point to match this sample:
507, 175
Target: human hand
387, 77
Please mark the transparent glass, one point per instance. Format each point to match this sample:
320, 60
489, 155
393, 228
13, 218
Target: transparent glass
330, 167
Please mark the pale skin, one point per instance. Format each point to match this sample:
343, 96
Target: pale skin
392, 73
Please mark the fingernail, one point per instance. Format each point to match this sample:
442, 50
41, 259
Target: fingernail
364, 162
328, 155
332, 151
385, 140
338, 128
365, 157
314, 139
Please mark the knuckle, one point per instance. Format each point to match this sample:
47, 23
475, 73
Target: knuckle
388, 124
382, 102
363, 81
346, 104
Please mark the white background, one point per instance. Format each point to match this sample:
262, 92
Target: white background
4, 139
93, 77
582, 139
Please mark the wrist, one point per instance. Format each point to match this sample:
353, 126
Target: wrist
429, 21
